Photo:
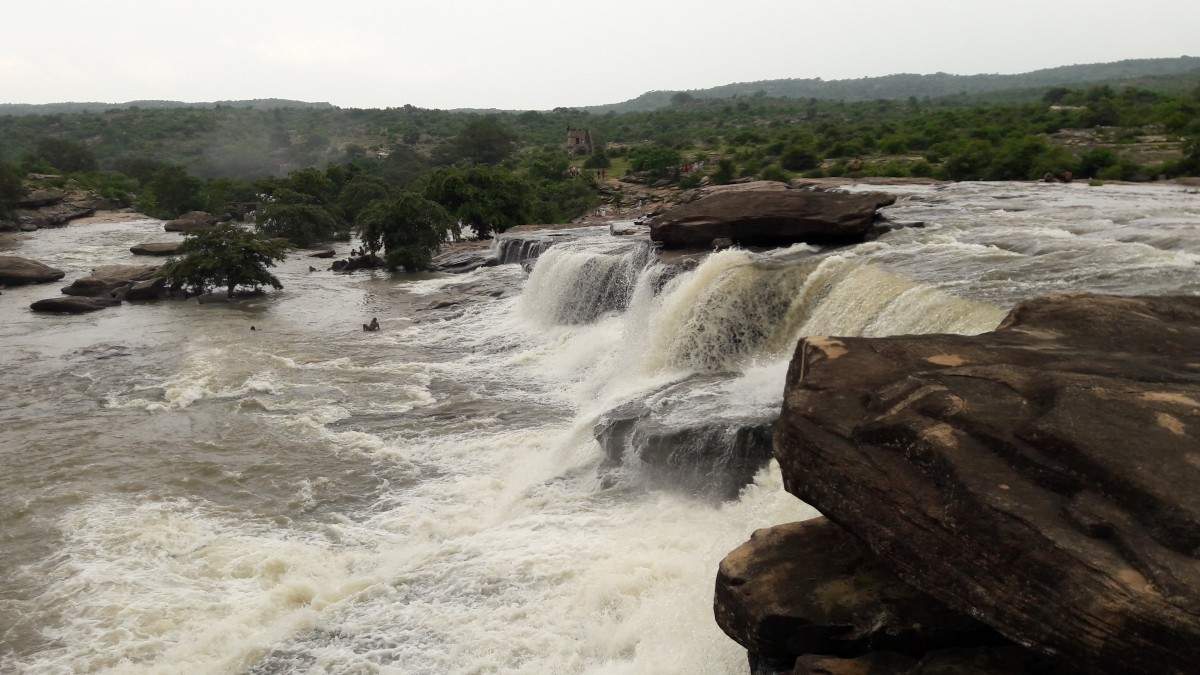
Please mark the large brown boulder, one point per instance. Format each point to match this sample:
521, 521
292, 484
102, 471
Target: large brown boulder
769, 218
156, 248
192, 221
812, 588
109, 279
71, 305
1042, 477
15, 271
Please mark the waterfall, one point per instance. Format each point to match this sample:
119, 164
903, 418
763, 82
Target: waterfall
575, 283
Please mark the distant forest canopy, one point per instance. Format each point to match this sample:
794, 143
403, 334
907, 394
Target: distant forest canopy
1159, 74
93, 106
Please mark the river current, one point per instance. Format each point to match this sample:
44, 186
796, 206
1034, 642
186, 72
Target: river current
182, 494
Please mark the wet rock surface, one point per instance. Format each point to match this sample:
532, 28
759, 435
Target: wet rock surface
74, 305
157, 248
192, 221
109, 279
15, 271
811, 588
1041, 477
767, 217
462, 260
683, 435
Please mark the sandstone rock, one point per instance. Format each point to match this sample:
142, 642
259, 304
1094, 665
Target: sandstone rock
812, 588
975, 661
73, 305
107, 279
1041, 477
15, 271
75, 206
769, 218
39, 198
157, 248
192, 221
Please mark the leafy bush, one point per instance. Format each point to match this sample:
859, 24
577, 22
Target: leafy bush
726, 170
775, 173
225, 256
656, 160
408, 228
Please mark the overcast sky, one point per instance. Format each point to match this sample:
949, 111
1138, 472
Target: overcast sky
539, 53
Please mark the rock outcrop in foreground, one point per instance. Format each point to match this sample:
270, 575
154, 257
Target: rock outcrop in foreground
1041, 478
770, 218
15, 271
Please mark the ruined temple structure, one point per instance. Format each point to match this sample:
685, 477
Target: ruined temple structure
579, 141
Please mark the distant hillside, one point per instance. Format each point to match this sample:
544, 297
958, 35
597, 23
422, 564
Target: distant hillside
92, 107
1142, 72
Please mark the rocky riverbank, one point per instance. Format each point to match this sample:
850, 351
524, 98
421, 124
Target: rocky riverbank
1039, 479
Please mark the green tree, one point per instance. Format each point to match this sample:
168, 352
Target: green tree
225, 256
360, 192
726, 171
797, 158
489, 199
483, 141
170, 192
408, 228
597, 160
11, 188
301, 224
66, 155
656, 160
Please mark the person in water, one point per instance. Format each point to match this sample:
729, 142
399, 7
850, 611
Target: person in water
373, 326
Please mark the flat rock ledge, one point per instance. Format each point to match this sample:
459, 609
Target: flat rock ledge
769, 217
1041, 478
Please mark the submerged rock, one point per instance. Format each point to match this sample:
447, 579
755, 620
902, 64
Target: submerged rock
69, 305
156, 248
15, 271
363, 262
1041, 477
812, 588
108, 279
688, 436
329, 253
769, 218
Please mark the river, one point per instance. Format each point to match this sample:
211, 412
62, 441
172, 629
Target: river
180, 493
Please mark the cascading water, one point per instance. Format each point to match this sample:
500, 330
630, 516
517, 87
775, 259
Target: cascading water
181, 494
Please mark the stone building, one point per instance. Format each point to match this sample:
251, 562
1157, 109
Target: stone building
579, 141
